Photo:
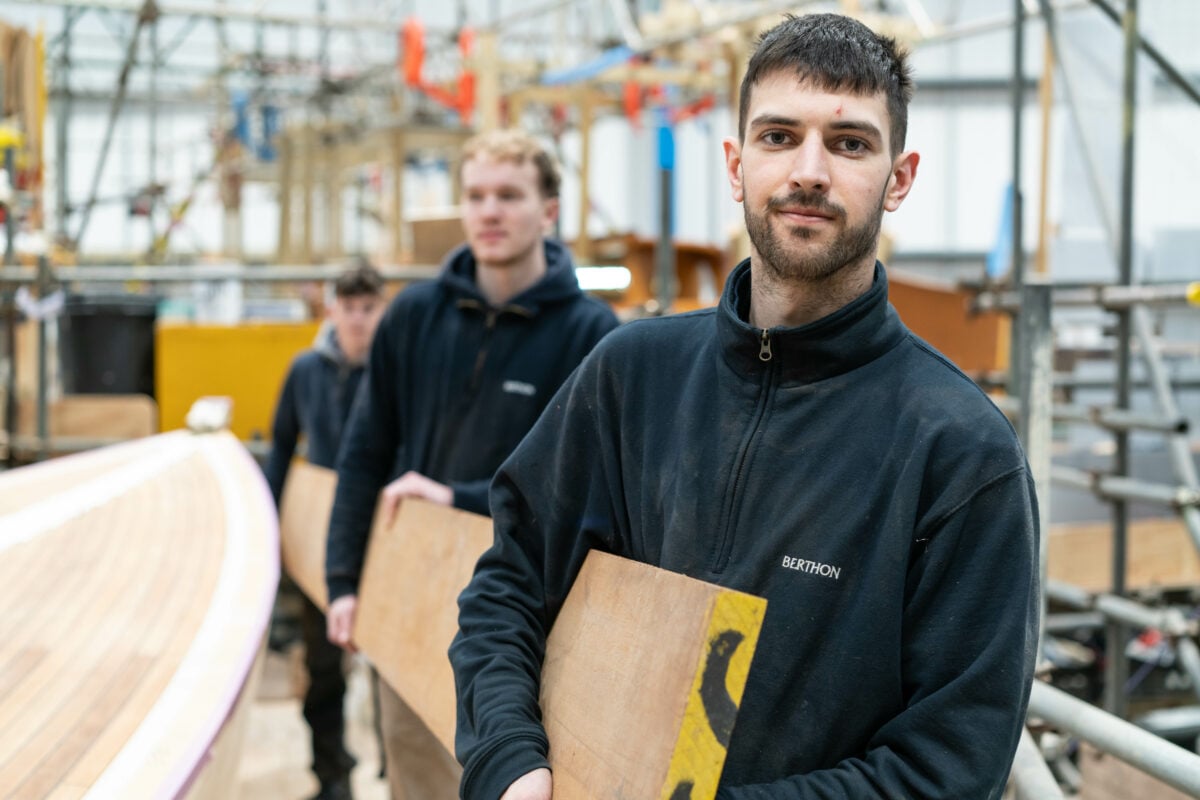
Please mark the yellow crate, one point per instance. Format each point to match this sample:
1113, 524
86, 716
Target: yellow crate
246, 362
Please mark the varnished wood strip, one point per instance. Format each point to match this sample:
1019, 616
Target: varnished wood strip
202, 564
59, 580
47, 754
139, 617
95, 629
178, 731
29, 484
34, 519
144, 628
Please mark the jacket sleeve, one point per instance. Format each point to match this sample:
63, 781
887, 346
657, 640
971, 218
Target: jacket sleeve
970, 623
472, 495
285, 430
364, 462
552, 503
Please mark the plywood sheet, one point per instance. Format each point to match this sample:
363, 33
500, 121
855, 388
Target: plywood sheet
642, 681
94, 416
303, 526
407, 603
1161, 554
940, 314
644, 668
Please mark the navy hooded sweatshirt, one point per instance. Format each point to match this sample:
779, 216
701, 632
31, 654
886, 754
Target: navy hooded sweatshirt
315, 401
844, 471
452, 386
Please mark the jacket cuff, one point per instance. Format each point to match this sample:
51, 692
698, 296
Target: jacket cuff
471, 496
340, 587
489, 775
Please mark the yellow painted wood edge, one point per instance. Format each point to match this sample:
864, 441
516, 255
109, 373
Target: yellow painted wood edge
698, 758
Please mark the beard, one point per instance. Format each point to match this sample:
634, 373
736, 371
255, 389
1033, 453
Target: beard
852, 244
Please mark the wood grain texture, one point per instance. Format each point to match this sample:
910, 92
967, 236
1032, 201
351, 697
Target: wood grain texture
135, 588
95, 416
644, 668
643, 676
304, 524
1161, 554
408, 603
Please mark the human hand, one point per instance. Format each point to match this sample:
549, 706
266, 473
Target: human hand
413, 484
535, 785
339, 621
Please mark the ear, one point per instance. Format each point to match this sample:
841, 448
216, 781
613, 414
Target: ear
904, 172
549, 213
733, 167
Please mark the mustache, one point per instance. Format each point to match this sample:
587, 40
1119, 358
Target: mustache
816, 202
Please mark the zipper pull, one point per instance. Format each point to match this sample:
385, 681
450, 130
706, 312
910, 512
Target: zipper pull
764, 349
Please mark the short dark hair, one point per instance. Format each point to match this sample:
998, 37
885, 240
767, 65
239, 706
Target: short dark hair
360, 280
835, 53
517, 146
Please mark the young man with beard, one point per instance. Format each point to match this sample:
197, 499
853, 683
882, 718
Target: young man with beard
315, 402
459, 371
797, 443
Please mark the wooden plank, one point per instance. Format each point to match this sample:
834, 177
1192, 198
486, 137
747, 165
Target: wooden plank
644, 669
642, 680
407, 603
95, 416
1161, 555
940, 314
303, 526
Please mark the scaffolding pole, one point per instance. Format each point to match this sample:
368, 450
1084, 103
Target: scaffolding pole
1031, 776
148, 12
1152, 754
1177, 443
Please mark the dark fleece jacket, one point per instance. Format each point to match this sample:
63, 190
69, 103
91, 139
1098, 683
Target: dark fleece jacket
452, 386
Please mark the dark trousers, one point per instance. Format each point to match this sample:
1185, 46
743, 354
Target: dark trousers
324, 700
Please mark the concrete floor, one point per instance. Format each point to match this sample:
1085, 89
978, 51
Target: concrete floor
276, 757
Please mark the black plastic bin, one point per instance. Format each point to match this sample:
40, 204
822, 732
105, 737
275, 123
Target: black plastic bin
106, 344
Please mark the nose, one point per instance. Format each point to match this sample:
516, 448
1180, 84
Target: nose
810, 165
490, 205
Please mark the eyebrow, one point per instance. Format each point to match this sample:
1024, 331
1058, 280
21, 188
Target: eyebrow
860, 126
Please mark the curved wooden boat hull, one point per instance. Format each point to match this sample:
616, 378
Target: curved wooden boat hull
136, 584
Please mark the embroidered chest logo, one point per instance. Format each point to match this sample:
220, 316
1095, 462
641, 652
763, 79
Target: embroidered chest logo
812, 567
519, 387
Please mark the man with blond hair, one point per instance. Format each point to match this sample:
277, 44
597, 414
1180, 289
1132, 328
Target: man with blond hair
460, 369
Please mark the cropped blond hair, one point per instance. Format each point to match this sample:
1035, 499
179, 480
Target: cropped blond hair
518, 147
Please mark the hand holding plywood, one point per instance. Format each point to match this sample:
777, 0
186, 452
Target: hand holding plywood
644, 668
642, 680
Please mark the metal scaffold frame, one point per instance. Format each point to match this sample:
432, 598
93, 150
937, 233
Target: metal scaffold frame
1031, 301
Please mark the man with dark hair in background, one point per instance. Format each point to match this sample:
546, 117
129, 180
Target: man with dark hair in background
315, 402
798, 443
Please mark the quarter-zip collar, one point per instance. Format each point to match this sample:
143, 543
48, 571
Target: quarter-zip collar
558, 285
859, 332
